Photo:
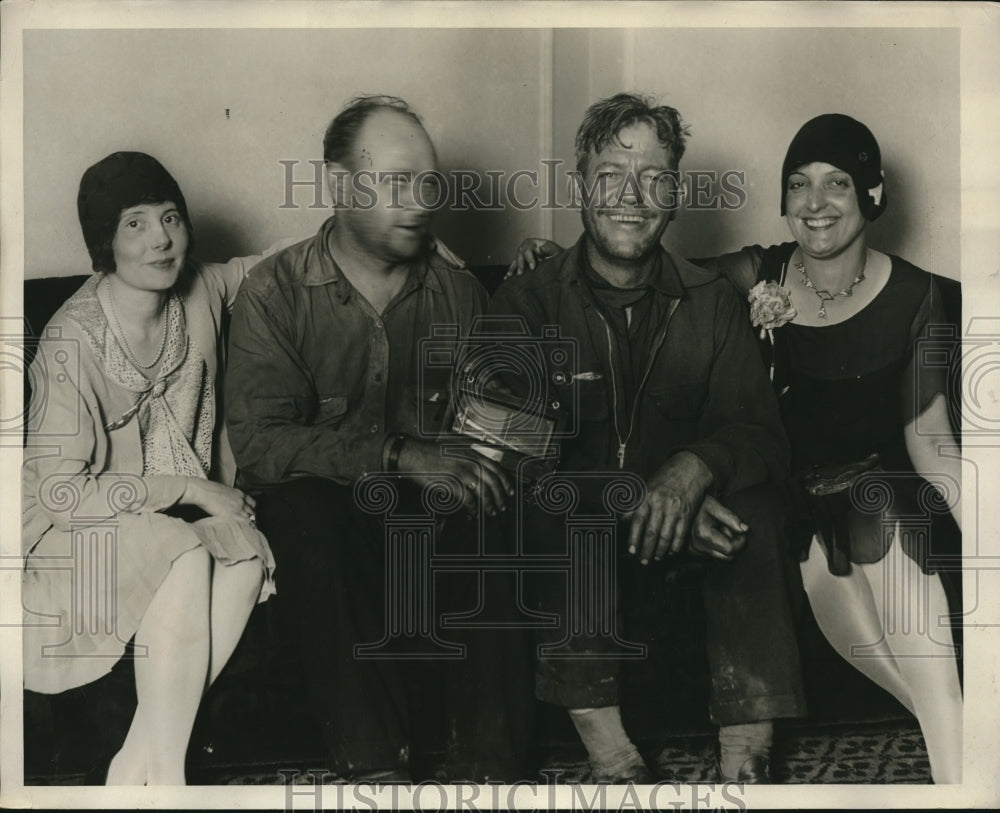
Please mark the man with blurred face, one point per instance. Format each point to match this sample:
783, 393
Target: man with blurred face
326, 386
670, 389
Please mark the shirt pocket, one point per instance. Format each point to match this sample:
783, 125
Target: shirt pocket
680, 400
331, 410
295, 409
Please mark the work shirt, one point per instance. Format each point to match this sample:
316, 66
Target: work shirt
318, 380
702, 388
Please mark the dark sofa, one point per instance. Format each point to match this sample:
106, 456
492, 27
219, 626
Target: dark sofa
257, 715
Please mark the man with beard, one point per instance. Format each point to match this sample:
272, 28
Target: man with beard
325, 386
669, 388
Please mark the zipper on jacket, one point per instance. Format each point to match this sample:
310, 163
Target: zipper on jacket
614, 394
622, 444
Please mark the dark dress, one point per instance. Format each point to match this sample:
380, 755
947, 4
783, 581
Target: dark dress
846, 391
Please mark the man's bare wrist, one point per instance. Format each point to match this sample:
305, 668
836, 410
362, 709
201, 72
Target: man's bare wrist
704, 473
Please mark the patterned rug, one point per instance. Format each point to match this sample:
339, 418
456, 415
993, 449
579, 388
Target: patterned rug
889, 752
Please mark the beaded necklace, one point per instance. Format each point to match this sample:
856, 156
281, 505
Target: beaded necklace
121, 333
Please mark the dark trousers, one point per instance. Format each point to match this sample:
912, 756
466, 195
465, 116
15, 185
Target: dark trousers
414, 690
752, 651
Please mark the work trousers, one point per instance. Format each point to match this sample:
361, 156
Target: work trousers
753, 656
406, 660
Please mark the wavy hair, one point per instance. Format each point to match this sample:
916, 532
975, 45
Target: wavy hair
605, 119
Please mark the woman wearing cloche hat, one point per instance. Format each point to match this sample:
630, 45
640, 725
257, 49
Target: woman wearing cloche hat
127, 472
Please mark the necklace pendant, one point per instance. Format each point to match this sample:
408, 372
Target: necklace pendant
826, 296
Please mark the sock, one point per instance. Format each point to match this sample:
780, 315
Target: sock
738, 743
610, 750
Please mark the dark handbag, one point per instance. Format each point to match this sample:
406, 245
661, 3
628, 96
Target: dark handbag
828, 495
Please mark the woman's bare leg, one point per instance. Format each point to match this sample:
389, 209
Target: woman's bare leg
912, 604
848, 617
128, 766
170, 680
235, 589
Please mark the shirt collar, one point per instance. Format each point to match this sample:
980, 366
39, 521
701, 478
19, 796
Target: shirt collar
326, 269
664, 280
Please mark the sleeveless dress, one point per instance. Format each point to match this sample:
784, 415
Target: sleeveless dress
106, 461
845, 392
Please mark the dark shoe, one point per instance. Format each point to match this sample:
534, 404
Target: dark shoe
755, 771
638, 774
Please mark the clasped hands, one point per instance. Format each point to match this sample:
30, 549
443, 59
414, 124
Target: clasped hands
678, 511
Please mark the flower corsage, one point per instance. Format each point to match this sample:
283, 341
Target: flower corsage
770, 308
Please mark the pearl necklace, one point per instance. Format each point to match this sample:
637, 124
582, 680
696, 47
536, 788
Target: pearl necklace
826, 296
121, 333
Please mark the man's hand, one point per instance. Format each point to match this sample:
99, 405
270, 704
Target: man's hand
531, 252
717, 531
660, 524
484, 481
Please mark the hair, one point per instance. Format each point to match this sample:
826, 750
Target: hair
605, 119
343, 130
112, 185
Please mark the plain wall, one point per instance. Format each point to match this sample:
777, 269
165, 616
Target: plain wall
167, 92
746, 103
492, 100
745, 92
